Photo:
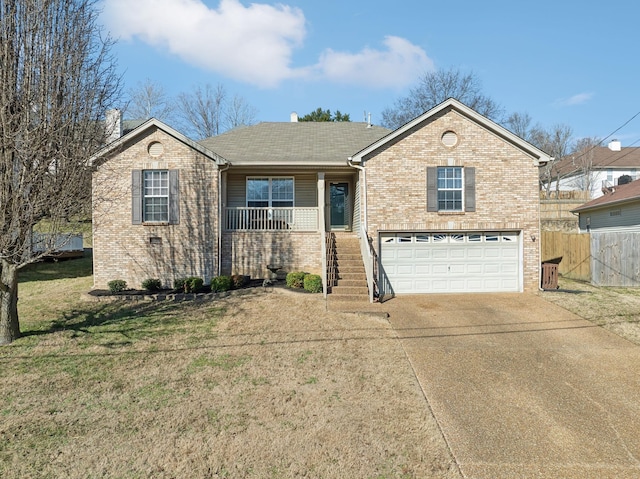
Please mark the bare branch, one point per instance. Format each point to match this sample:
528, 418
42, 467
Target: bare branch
57, 79
434, 88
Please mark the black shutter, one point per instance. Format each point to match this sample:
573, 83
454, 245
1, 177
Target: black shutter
469, 189
432, 188
136, 197
174, 197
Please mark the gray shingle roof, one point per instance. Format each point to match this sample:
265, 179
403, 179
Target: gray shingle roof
294, 143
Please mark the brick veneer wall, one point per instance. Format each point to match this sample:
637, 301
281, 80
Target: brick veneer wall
122, 250
507, 195
249, 252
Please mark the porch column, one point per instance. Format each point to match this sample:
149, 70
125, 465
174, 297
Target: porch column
321, 201
323, 234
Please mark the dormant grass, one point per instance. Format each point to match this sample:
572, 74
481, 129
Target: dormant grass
264, 385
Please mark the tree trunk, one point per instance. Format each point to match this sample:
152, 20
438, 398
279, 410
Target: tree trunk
9, 325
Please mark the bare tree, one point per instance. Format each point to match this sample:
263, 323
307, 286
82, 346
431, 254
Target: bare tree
434, 88
56, 80
238, 113
149, 100
207, 111
520, 124
201, 110
557, 143
582, 160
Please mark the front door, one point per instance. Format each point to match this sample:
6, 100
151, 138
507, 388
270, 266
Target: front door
339, 210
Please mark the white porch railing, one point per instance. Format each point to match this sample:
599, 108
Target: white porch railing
370, 263
271, 219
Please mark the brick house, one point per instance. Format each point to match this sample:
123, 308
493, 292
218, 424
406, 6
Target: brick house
446, 203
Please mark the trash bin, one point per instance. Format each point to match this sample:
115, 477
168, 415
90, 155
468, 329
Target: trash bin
550, 274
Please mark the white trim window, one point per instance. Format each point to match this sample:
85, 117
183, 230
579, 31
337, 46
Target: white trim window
270, 192
450, 188
155, 196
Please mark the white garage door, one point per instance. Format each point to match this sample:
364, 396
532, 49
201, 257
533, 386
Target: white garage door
450, 262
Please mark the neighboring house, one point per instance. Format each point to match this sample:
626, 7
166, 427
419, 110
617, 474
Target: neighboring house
446, 203
594, 170
613, 221
618, 210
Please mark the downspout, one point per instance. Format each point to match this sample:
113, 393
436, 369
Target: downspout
364, 232
539, 233
363, 209
220, 216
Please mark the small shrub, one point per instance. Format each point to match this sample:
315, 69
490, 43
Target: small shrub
221, 283
295, 279
190, 284
117, 285
195, 284
313, 283
238, 280
152, 284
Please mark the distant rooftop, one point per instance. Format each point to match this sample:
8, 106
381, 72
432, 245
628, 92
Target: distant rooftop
616, 194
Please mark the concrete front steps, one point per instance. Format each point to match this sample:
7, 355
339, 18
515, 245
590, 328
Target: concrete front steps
351, 294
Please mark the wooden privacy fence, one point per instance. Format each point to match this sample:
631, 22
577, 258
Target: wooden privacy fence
616, 259
575, 250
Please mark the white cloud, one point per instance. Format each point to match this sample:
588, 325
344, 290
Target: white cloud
578, 99
397, 66
255, 44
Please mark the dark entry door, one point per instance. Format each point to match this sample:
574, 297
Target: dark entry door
339, 193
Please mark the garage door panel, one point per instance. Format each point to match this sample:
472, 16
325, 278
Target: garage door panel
440, 286
475, 284
423, 253
439, 269
509, 268
402, 286
492, 268
405, 269
492, 253
493, 284
440, 254
404, 253
454, 263
459, 268
475, 268
457, 253
475, 252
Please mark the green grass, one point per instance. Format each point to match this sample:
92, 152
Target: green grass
57, 269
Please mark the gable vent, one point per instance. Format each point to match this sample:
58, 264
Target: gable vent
449, 138
155, 148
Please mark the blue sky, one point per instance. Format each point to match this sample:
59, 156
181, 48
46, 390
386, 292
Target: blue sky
562, 62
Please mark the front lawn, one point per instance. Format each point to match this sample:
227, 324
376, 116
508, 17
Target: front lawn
268, 384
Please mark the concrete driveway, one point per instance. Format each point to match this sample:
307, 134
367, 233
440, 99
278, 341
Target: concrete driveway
522, 388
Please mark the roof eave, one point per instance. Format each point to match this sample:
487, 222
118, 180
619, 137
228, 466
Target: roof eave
540, 157
582, 209
153, 122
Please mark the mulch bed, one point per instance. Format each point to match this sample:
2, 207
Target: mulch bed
177, 294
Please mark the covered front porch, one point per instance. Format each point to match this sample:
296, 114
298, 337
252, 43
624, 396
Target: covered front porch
299, 201
282, 217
